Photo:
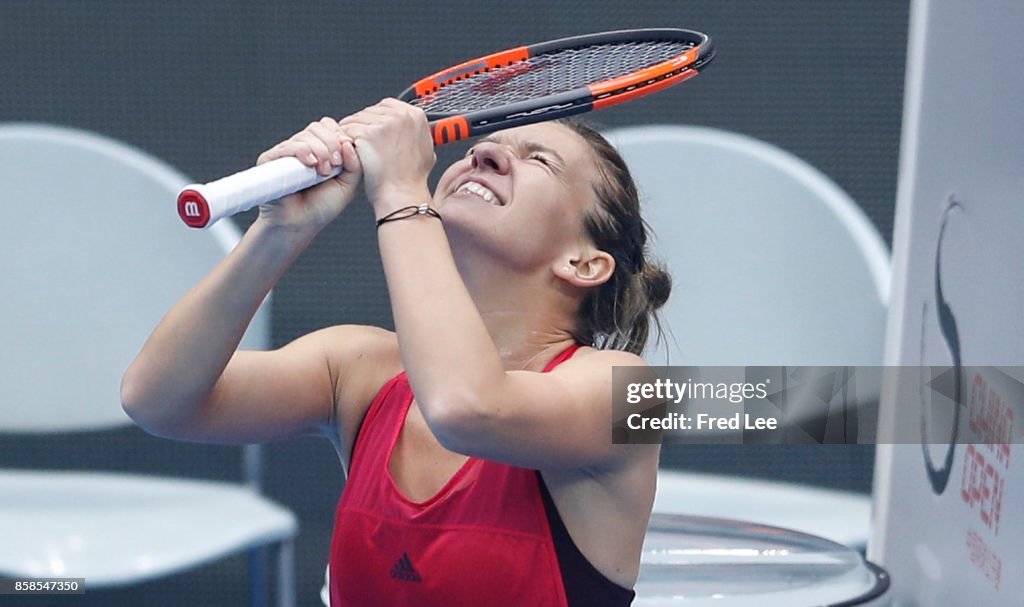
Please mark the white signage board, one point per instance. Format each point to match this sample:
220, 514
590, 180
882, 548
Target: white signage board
949, 516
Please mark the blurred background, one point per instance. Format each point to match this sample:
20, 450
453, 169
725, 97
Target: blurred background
207, 86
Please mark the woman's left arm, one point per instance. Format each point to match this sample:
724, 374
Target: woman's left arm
472, 405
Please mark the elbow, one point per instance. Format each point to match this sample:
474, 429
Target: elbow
131, 394
455, 420
143, 407
134, 400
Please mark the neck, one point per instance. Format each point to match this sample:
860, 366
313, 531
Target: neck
529, 315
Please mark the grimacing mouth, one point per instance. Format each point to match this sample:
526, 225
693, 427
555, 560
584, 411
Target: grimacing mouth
478, 188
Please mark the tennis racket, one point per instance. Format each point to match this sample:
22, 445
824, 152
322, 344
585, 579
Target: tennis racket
515, 87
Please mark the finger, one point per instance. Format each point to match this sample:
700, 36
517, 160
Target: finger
291, 147
345, 135
327, 132
351, 157
353, 168
329, 122
318, 148
353, 132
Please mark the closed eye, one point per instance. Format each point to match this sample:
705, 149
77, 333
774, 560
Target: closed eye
551, 159
542, 159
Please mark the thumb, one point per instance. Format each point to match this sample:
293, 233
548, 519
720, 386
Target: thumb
352, 168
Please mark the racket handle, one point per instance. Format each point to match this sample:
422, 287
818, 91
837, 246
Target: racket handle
200, 205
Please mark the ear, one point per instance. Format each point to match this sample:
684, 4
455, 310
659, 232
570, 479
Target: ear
590, 269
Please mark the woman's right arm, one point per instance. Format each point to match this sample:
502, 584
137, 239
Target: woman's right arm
189, 382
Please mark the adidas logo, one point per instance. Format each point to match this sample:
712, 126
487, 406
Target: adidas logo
403, 570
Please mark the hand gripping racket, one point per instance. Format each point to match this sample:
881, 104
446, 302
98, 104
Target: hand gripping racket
515, 87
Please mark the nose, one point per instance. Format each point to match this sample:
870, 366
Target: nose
492, 156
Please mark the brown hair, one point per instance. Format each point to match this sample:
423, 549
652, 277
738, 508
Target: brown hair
618, 314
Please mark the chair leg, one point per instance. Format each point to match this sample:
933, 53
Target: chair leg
286, 574
258, 576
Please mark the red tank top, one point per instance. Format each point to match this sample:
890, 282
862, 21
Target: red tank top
483, 539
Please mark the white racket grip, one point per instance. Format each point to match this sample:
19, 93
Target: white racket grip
200, 205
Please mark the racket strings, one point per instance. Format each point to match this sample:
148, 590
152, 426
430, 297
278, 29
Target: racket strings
549, 74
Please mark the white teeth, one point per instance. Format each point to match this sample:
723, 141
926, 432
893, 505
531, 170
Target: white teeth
480, 190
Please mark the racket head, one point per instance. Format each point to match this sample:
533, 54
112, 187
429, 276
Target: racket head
550, 80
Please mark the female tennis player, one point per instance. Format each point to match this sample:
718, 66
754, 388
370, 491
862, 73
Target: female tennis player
477, 435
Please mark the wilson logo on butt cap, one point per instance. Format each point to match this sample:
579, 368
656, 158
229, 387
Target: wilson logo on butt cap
193, 209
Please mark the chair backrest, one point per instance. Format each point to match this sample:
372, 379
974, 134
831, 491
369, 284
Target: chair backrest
94, 256
772, 263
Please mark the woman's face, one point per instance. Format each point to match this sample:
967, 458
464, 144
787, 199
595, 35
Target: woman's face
521, 194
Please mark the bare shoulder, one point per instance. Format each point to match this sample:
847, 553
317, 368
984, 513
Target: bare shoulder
360, 360
590, 359
592, 372
354, 343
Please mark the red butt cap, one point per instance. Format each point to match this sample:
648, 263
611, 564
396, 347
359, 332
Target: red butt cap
193, 209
